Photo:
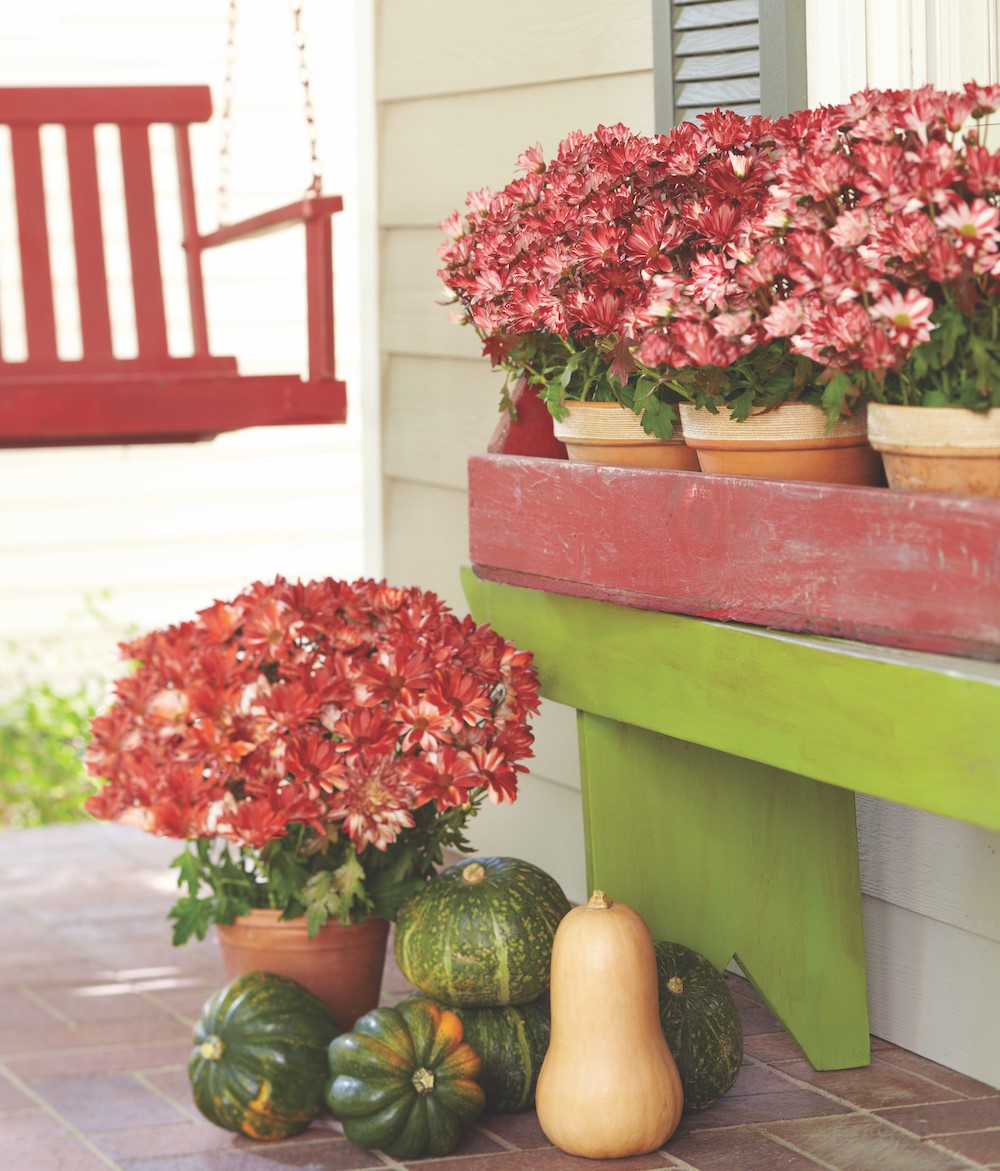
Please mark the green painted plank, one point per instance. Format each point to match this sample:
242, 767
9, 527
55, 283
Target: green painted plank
732, 857
922, 730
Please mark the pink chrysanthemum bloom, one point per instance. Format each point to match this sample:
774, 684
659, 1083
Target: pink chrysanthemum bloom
906, 314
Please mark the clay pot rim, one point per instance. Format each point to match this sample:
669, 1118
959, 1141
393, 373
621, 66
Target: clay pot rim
270, 920
606, 422
788, 426
943, 431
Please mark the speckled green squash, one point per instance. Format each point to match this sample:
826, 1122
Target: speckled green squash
259, 1064
700, 1022
404, 1081
480, 933
511, 1043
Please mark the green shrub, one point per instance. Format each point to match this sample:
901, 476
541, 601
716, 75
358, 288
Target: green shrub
43, 733
44, 727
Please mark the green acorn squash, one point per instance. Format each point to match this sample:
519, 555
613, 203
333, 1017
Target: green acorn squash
259, 1062
511, 1042
404, 1080
700, 1021
480, 933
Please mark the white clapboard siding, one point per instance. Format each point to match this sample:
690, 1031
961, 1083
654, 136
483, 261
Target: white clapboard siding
932, 989
545, 826
427, 538
178, 517
415, 318
564, 39
438, 413
441, 139
557, 756
944, 869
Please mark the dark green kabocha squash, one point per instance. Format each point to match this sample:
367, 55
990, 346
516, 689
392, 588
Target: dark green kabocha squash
480, 933
404, 1081
259, 1064
700, 1022
511, 1042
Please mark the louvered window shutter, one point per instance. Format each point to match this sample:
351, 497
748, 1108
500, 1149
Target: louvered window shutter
742, 55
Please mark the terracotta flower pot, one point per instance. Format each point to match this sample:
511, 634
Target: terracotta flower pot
938, 449
787, 443
341, 965
608, 433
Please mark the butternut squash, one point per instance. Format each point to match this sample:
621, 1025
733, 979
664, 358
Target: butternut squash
608, 1086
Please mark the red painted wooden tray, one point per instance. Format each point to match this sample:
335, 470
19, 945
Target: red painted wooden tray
918, 571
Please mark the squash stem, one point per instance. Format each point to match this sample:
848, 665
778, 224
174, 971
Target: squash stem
599, 901
423, 1080
212, 1048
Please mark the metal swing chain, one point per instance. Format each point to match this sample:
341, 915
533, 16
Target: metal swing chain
312, 134
226, 116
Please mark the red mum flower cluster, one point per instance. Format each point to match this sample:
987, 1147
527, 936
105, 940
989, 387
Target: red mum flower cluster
745, 260
342, 708
561, 270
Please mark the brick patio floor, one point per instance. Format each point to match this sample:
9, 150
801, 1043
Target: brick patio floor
95, 1026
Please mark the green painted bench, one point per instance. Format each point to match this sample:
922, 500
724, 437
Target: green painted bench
719, 759
719, 765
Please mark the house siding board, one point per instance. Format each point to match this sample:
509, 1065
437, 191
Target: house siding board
432, 432
440, 139
414, 319
568, 40
932, 987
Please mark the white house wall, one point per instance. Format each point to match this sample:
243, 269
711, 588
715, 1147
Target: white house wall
162, 530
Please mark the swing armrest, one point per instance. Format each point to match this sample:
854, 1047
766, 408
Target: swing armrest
315, 208
314, 213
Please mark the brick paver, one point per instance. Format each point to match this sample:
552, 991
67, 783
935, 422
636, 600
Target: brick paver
96, 1010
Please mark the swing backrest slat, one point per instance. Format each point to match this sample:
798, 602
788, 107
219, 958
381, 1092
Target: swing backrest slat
88, 241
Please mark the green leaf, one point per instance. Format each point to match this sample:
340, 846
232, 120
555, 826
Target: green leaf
934, 398
837, 395
388, 895
316, 916
189, 870
658, 419
191, 916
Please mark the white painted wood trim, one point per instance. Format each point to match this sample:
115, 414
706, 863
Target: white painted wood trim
835, 49
370, 397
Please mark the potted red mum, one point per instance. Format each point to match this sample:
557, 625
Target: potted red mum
316, 745
548, 271
898, 282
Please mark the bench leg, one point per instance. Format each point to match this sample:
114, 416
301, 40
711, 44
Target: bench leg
736, 858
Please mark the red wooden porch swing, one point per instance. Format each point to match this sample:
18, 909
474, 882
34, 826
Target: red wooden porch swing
154, 396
